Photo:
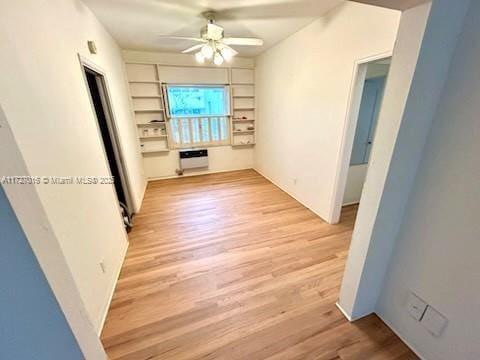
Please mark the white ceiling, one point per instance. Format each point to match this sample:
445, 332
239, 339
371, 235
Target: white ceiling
394, 4
139, 24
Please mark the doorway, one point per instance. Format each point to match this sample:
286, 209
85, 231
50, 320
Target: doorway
99, 96
371, 100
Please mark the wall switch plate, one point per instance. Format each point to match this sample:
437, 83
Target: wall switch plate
416, 307
92, 47
433, 321
103, 266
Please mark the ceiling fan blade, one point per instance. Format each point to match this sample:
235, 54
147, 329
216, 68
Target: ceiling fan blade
182, 38
243, 41
193, 48
235, 52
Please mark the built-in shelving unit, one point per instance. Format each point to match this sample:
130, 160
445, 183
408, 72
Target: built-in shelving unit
148, 108
153, 127
242, 82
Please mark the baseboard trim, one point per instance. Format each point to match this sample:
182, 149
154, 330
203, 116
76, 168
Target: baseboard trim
196, 174
107, 306
399, 334
291, 195
139, 207
343, 312
351, 203
389, 325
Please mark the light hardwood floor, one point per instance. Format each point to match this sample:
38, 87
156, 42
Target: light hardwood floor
228, 266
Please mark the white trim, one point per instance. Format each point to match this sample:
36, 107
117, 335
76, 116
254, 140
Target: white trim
111, 122
291, 195
197, 174
388, 324
138, 208
350, 318
343, 311
348, 132
110, 297
400, 335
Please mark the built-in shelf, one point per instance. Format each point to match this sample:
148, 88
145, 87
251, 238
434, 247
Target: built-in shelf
154, 137
240, 132
148, 110
148, 107
249, 144
155, 151
152, 123
144, 82
146, 97
148, 103
243, 100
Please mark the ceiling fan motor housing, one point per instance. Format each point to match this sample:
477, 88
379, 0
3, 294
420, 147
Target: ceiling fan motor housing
211, 32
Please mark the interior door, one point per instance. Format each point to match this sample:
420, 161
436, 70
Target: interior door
367, 120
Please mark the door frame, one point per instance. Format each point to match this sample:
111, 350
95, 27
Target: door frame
112, 127
348, 135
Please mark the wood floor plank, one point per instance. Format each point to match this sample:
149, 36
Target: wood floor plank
228, 266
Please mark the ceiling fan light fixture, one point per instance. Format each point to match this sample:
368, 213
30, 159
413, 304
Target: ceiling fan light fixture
212, 45
227, 53
199, 57
207, 51
218, 59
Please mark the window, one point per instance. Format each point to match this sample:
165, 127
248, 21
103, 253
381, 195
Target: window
198, 114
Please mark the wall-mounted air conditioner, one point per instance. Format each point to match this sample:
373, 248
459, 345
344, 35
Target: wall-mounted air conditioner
193, 159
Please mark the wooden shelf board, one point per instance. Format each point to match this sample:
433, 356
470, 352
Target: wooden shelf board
147, 110
244, 144
144, 82
243, 120
152, 124
243, 132
243, 96
243, 84
244, 109
155, 151
146, 97
153, 137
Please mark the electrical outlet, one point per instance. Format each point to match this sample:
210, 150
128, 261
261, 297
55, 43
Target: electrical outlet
433, 321
416, 307
294, 180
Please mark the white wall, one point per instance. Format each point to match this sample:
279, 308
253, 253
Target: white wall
355, 180
47, 104
438, 250
221, 158
425, 45
303, 86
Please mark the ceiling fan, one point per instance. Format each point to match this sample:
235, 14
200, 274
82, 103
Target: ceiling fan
213, 44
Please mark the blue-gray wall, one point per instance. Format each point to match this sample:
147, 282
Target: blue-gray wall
32, 325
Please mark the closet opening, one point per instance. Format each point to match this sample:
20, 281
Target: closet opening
97, 87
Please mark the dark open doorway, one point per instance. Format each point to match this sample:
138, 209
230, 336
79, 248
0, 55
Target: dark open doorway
103, 111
